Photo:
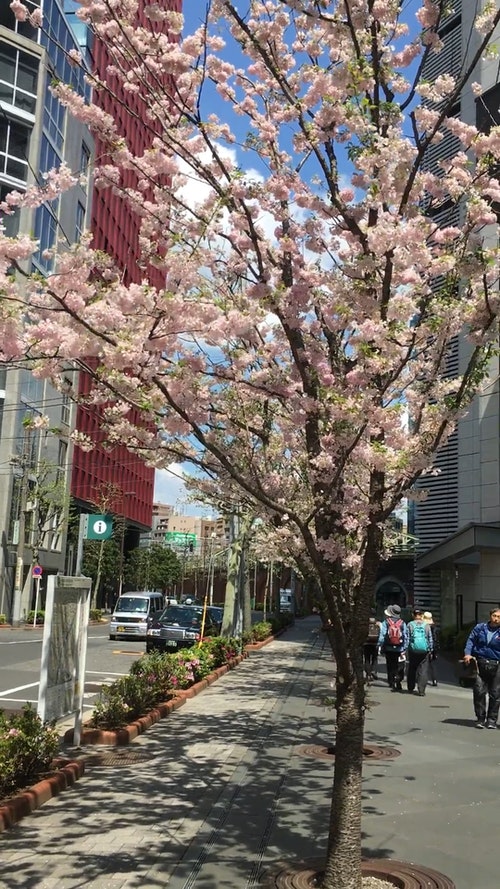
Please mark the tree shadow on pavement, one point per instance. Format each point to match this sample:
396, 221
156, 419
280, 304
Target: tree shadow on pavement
221, 794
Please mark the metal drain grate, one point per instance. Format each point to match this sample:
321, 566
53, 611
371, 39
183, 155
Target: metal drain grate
370, 752
114, 758
403, 874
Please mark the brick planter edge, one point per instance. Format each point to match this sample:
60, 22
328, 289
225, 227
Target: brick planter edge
26, 801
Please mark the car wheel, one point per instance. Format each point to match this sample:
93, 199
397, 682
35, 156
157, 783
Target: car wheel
112, 637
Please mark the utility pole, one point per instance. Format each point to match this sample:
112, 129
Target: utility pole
23, 499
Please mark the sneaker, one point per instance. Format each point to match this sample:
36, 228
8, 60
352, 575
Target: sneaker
421, 694
480, 725
434, 683
491, 725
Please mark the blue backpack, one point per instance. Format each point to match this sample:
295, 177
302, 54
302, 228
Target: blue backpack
419, 638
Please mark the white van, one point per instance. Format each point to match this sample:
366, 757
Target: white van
131, 612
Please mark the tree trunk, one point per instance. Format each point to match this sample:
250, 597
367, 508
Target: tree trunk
343, 865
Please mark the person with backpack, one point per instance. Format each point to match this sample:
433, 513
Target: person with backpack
370, 648
393, 641
420, 647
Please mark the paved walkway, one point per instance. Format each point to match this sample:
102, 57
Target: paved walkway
218, 792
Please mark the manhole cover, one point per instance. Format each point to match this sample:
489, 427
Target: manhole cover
114, 758
370, 752
402, 874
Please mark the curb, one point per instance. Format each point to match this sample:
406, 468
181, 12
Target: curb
25, 802
255, 646
123, 736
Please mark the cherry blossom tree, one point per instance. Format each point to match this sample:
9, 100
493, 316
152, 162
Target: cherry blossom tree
298, 349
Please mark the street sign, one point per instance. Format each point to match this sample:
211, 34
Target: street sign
36, 571
99, 527
180, 538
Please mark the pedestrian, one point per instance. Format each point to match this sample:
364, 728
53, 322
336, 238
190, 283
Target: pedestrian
483, 644
427, 616
370, 648
419, 649
393, 641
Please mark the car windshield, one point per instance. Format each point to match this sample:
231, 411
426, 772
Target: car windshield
135, 604
183, 616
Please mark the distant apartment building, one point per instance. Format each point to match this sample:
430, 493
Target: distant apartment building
36, 134
194, 534
457, 571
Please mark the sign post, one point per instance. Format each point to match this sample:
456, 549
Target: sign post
92, 527
36, 572
64, 648
99, 527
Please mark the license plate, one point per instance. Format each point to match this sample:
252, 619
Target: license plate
120, 629
171, 643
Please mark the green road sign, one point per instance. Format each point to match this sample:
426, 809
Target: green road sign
99, 527
180, 538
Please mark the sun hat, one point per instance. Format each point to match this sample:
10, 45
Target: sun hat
392, 611
427, 615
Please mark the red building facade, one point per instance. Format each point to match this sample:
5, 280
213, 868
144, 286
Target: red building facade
115, 230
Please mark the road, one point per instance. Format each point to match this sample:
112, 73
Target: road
20, 653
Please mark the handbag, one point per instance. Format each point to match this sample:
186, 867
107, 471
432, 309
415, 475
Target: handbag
467, 673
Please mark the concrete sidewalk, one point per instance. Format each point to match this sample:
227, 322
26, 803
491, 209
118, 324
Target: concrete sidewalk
219, 791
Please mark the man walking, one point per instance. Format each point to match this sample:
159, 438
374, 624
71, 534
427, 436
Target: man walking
393, 642
483, 644
419, 649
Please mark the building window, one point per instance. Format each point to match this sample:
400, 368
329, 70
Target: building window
8, 20
46, 223
18, 78
80, 221
66, 404
14, 149
10, 220
53, 119
85, 162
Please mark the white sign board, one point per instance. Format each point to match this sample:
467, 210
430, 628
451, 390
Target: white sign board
62, 673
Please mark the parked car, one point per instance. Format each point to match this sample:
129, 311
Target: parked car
179, 626
131, 612
217, 614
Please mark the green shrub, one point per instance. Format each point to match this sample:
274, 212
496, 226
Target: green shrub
27, 748
155, 676
123, 701
40, 617
281, 620
3, 618
111, 710
199, 659
223, 649
261, 630
95, 614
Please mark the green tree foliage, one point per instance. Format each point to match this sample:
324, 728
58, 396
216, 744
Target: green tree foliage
152, 568
101, 559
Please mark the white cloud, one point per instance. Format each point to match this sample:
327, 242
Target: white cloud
170, 489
